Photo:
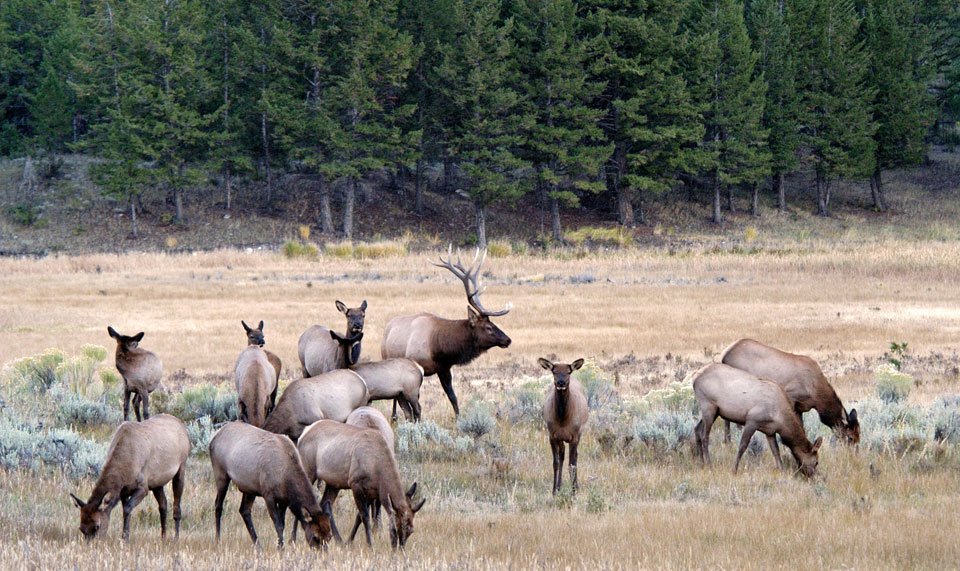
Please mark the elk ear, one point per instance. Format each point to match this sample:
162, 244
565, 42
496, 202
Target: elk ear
363, 306
80, 503
305, 515
576, 364
852, 417
816, 445
245, 326
261, 325
112, 332
327, 509
412, 490
416, 508
340, 306
335, 336
545, 364
389, 504
138, 337
472, 316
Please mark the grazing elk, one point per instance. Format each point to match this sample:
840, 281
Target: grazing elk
267, 465
565, 411
255, 337
321, 350
438, 344
332, 395
347, 457
256, 385
802, 380
397, 379
756, 403
141, 371
143, 457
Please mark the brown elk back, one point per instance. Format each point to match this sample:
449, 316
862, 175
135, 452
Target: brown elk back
322, 350
332, 395
256, 381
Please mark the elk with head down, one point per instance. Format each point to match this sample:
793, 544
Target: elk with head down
438, 344
255, 337
802, 380
332, 395
141, 371
267, 465
348, 457
321, 350
565, 411
143, 457
756, 403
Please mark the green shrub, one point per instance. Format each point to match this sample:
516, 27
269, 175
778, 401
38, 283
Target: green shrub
892, 385
30, 447
379, 249
524, 403
219, 403
677, 397
664, 431
499, 248
477, 419
293, 249
618, 236
201, 432
338, 250
37, 374
25, 214
427, 441
73, 409
598, 387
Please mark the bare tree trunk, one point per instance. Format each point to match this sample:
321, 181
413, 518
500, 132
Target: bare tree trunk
266, 156
730, 192
823, 194
781, 191
326, 220
229, 184
717, 215
178, 203
28, 180
418, 189
481, 226
348, 208
555, 219
133, 216
448, 173
624, 196
876, 189
755, 200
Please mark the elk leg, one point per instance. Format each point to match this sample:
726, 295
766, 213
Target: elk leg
145, 399
446, 381
405, 405
136, 404
375, 512
126, 400
278, 513
177, 494
356, 526
363, 512
726, 435
748, 429
330, 495
573, 462
218, 505
246, 502
162, 508
128, 505
775, 449
709, 417
556, 462
393, 415
561, 451
415, 408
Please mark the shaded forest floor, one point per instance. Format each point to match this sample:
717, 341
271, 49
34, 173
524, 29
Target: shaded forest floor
72, 217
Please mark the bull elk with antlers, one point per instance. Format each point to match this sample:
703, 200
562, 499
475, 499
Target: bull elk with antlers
438, 344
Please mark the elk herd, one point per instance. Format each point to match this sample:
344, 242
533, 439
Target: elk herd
321, 428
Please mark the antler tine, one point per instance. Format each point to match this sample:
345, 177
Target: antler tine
470, 277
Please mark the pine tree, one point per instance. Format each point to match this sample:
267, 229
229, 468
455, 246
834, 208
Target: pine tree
562, 138
651, 120
896, 41
477, 79
735, 143
768, 22
836, 111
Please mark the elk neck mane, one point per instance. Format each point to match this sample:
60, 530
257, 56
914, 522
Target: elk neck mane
453, 343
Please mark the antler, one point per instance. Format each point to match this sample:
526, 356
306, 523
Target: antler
469, 277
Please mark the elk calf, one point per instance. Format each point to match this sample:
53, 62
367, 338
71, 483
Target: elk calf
256, 385
331, 395
267, 465
143, 457
345, 456
141, 371
802, 380
255, 337
398, 379
756, 403
565, 411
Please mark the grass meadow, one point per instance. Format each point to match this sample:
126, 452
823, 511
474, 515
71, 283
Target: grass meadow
644, 319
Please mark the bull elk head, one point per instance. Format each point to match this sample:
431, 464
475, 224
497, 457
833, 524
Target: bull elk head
470, 277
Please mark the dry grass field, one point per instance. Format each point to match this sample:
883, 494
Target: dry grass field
645, 319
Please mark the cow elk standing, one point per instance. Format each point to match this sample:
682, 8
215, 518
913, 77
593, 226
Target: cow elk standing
143, 456
756, 403
141, 371
398, 379
802, 380
438, 344
321, 350
255, 337
256, 385
267, 465
347, 457
332, 395
565, 411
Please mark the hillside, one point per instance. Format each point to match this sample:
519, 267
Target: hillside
70, 215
